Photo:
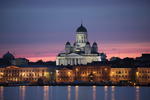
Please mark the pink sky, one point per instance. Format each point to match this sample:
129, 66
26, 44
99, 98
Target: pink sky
39, 30
48, 52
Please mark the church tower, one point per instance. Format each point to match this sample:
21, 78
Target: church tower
87, 48
94, 48
68, 47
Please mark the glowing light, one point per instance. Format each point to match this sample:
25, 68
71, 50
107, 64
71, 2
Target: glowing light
69, 93
69, 73
76, 92
94, 92
22, 92
82, 75
112, 73
113, 93
1, 93
94, 86
137, 93
46, 92
94, 72
57, 71
105, 87
46, 74
77, 69
137, 73
106, 92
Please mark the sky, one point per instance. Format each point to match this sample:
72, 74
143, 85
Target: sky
39, 29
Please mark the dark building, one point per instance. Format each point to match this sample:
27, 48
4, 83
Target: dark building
144, 57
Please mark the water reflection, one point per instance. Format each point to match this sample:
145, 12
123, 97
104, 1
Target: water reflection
76, 92
46, 93
113, 93
51, 95
137, 93
106, 92
94, 92
69, 93
22, 91
1, 93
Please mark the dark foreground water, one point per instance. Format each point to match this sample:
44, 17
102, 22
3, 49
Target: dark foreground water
74, 93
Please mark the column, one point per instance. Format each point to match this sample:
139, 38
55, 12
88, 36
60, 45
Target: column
68, 61
75, 63
79, 61
57, 61
71, 61
65, 61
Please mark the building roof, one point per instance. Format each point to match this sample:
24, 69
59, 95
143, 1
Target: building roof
50, 66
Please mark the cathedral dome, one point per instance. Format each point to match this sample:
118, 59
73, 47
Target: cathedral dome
8, 56
81, 29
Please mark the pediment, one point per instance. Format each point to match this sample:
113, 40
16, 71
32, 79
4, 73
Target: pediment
73, 54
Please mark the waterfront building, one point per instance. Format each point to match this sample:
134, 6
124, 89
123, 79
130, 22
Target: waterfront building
26, 73
92, 73
99, 73
80, 73
81, 52
121, 74
64, 75
143, 75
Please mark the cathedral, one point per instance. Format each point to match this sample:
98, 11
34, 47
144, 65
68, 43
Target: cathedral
81, 52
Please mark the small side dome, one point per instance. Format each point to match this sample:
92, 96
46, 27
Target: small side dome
87, 43
9, 56
94, 43
81, 29
67, 43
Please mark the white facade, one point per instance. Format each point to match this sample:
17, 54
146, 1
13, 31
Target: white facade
81, 52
